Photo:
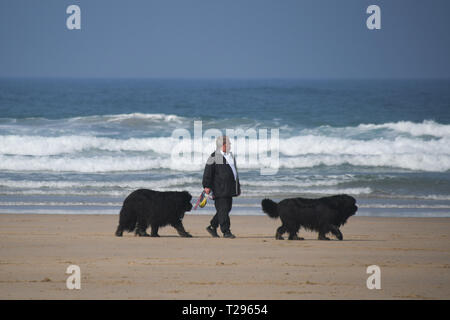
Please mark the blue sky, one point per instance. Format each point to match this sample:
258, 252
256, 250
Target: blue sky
225, 39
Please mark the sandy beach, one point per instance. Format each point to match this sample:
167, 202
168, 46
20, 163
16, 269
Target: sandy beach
35, 251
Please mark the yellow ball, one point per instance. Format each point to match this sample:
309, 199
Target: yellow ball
203, 202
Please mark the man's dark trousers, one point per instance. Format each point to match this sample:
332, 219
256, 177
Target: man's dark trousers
222, 218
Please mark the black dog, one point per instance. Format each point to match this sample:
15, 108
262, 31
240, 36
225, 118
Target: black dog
322, 215
144, 208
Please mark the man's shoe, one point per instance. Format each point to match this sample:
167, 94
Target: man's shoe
212, 231
229, 235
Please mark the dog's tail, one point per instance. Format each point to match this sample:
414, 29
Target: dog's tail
270, 207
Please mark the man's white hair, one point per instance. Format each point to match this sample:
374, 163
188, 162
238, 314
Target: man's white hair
220, 141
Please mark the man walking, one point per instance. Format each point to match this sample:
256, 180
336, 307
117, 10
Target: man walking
221, 177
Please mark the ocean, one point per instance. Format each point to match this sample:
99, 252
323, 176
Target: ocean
79, 146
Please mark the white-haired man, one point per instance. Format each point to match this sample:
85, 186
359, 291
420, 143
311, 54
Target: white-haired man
221, 177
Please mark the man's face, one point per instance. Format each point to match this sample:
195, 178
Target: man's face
226, 147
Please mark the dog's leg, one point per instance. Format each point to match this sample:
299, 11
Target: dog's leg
141, 227
293, 235
141, 232
180, 229
322, 234
119, 231
335, 230
154, 232
323, 237
279, 233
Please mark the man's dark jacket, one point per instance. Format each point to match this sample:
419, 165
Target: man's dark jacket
218, 176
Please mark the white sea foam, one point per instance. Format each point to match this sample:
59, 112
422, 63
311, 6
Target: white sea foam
97, 164
331, 191
403, 206
85, 153
427, 127
302, 191
68, 192
60, 203
438, 197
125, 184
45, 146
301, 145
419, 162
129, 116
194, 190
57, 210
297, 145
299, 182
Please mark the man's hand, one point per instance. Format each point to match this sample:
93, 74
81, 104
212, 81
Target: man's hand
207, 190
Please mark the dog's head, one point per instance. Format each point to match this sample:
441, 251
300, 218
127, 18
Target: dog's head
187, 201
348, 205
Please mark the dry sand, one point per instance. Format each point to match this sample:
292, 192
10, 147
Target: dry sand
35, 250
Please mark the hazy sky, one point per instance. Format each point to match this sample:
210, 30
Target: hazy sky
225, 38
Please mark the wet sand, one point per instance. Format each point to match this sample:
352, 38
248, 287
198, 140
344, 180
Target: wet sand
35, 251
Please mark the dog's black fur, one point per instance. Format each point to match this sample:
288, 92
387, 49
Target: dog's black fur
144, 208
323, 215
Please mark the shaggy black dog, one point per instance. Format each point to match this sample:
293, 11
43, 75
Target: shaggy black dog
322, 215
144, 208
